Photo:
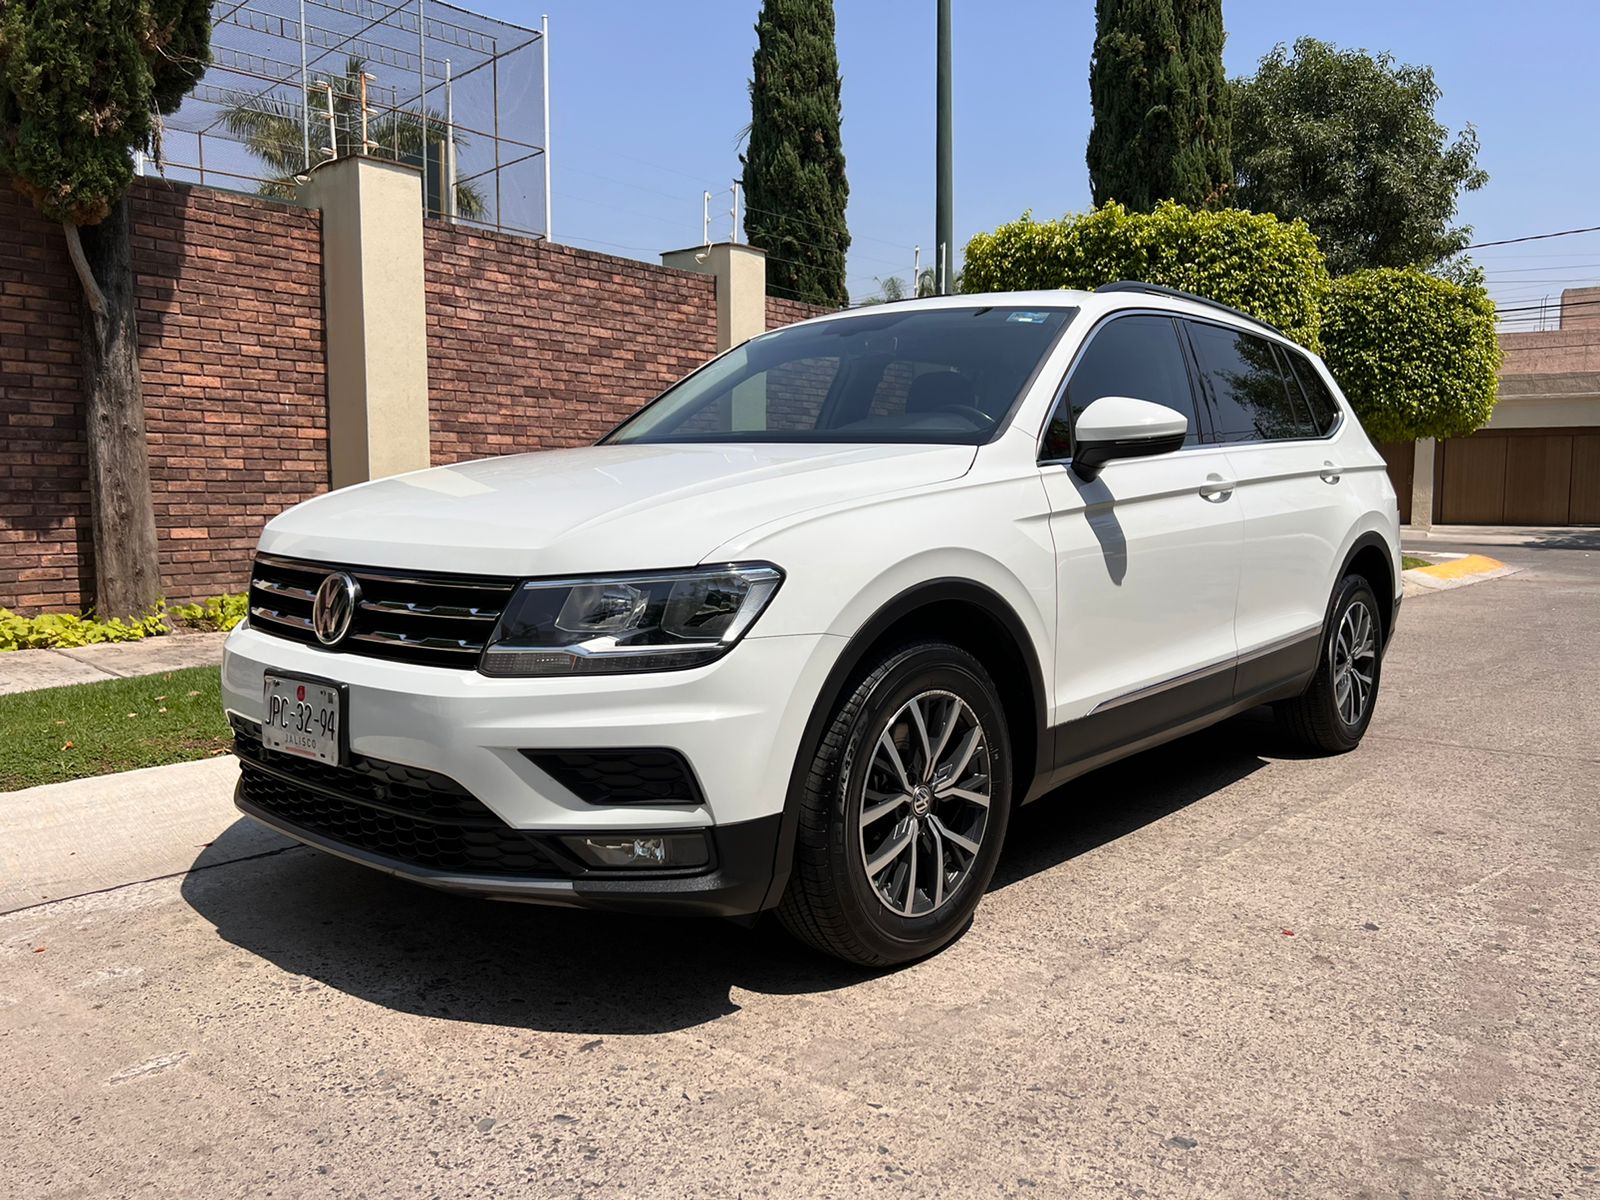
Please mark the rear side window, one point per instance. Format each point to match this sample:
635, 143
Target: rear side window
1250, 397
1324, 408
1136, 356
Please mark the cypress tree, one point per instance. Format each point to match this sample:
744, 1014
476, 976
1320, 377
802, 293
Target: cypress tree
1162, 110
794, 182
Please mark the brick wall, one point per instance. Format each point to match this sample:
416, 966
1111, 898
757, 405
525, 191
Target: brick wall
229, 292
44, 504
783, 311
529, 347
533, 347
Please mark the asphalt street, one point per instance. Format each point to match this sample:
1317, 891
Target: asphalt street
1220, 969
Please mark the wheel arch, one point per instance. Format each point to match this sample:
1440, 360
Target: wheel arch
967, 614
1372, 557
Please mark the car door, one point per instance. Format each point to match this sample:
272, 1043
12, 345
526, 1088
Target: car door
1290, 499
1147, 555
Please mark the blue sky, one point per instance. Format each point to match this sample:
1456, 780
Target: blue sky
649, 98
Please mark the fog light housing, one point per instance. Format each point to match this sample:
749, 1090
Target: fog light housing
640, 851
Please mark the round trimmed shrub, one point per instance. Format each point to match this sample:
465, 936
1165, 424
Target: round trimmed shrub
1416, 355
1268, 268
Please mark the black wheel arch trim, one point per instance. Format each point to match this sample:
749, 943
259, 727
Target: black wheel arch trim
1374, 541
849, 663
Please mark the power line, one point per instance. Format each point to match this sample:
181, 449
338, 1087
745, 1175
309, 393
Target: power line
1533, 237
1556, 307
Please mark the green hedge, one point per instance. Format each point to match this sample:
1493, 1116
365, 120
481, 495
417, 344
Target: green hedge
1416, 355
1269, 268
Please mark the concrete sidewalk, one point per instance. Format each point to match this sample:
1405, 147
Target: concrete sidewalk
29, 670
69, 839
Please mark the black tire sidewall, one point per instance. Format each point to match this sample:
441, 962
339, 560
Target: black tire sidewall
919, 669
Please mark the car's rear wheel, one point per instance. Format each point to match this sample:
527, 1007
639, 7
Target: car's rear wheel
1333, 713
903, 811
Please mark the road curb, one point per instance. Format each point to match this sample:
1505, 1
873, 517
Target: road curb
1454, 573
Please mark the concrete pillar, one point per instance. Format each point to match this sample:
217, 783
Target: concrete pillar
1422, 485
741, 273
373, 310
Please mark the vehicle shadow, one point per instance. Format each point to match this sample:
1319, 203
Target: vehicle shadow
418, 951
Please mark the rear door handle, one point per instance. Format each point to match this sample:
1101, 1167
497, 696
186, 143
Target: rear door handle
1329, 473
1216, 489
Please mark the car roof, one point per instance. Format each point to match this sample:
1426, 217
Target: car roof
1094, 304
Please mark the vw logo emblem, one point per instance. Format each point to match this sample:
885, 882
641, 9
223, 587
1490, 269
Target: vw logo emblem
334, 608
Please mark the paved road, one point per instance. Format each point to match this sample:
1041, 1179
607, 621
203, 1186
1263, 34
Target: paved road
1216, 970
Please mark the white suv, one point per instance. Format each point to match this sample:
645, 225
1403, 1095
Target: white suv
802, 633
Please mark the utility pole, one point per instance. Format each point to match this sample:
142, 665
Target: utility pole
944, 202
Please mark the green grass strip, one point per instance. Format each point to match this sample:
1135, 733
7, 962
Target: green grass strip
96, 728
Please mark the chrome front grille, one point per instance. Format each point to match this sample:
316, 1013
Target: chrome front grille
407, 616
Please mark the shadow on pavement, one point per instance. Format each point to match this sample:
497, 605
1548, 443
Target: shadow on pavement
415, 950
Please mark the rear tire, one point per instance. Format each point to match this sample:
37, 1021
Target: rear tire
904, 810
1333, 713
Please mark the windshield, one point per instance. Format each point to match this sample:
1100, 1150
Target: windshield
908, 375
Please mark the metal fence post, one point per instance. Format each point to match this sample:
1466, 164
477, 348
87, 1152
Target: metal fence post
544, 45
422, 96
305, 96
447, 183
494, 87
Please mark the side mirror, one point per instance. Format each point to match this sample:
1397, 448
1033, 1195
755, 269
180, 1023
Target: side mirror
1122, 427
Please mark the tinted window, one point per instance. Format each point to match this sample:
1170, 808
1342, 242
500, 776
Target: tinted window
1324, 408
1127, 356
1250, 397
883, 375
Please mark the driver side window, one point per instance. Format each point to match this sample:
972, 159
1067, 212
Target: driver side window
1136, 356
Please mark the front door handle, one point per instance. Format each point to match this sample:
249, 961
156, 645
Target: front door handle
1216, 489
1329, 473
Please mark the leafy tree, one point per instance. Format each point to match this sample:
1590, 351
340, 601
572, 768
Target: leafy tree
794, 178
890, 289
270, 128
1162, 109
1348, 142
82, 83
1269, 268
893, 287
1416, 355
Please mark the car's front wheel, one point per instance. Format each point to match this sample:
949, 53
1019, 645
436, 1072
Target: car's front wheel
1335, 710
903, 811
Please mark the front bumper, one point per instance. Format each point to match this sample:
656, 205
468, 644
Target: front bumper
737, 883
737, 722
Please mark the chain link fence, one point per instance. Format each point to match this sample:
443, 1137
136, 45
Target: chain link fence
295, 83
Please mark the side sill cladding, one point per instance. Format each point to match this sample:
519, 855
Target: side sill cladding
850, 662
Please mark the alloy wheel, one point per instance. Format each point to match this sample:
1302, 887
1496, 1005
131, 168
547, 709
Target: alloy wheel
1355, 661
925, 805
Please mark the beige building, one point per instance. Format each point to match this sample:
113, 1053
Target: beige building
1537, 462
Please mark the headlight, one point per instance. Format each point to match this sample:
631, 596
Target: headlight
656, 621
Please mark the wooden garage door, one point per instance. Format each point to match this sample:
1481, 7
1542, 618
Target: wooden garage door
1400, 458
1519, 477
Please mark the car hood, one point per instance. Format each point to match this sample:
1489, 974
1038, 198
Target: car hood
601, 508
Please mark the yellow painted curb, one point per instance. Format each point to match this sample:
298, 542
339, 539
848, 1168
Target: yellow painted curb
1459, 568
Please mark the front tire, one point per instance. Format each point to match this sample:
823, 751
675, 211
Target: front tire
1333, 713
904, 810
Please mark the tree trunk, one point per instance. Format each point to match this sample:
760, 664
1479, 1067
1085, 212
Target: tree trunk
127, 570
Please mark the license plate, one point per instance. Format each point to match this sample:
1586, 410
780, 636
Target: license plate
302, 717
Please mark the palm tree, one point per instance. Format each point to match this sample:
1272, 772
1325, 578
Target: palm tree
270, 128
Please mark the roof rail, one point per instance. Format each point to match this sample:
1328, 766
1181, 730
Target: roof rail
1156, 289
